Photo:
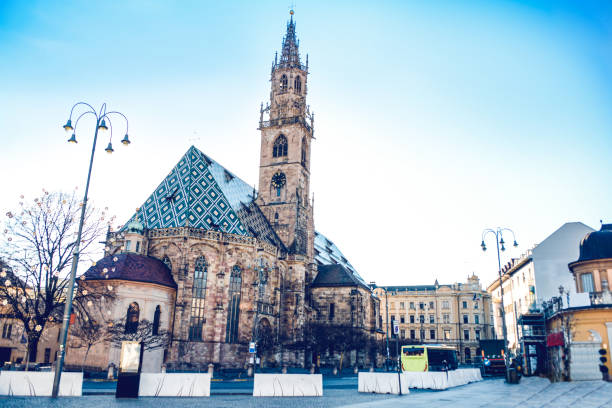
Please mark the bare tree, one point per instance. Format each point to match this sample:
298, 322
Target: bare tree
144, 334
36, 247
86, 333
336, 338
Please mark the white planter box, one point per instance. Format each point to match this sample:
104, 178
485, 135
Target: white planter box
288, 385
39, 384
174, 385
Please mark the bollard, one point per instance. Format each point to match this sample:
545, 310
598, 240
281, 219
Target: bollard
284, 370
356, 370
111, 372
371, 368
211, 369
163, 369
250, 370
335, 372
312, 369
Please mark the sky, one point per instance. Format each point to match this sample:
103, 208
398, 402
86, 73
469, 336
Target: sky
434, 120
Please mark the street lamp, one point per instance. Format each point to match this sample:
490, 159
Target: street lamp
499, 240
101, 117
373, 286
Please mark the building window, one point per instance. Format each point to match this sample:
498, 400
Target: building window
198, 299
128, 244
132, 317
403, 334
411, 318
297, 84
422, 334
431, 305
466, 334
464, 304
475, 305
476, 319
432, 334
445, 304
137, 246
431, 319
412, 334
421, 318
402, 319
156, 319
447, 334
6, 331
477, 332
465, 319
421, 306
401, 305
332, 311
233, 311
412, 305
283, 82
446, 318
587, 282
280, 147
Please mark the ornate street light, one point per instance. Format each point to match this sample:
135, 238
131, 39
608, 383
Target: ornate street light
101, 117
499, 240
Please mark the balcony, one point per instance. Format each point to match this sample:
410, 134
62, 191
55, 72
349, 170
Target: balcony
285, 121
600, 298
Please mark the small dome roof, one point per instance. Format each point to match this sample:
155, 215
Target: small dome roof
596, 244
135, 226
132, 267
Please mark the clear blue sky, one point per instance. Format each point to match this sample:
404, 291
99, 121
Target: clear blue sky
434, 119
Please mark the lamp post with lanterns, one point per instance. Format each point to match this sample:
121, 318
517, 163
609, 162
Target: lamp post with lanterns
499, 240
102, 117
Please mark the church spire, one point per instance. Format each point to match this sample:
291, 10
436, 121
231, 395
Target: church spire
290, 54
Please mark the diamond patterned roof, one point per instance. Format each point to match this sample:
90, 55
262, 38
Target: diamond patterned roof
201, 193
327, 253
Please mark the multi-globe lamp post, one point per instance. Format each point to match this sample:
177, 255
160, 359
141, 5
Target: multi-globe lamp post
102, 117
499, 240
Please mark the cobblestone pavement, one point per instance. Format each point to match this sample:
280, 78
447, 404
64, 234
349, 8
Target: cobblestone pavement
530, 393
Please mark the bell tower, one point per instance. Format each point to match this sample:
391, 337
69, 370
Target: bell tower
286, 137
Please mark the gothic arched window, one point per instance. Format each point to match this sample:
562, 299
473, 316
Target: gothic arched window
283, 83
132, 317
280, 146
297, 84
198, 299
233, 311
304, 151
156, 318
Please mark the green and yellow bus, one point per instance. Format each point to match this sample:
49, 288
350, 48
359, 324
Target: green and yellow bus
429, 357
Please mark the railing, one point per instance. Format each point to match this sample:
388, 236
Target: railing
204, 234
284, 121
284, 64
600, 298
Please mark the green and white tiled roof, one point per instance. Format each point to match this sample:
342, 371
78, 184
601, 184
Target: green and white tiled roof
201, 193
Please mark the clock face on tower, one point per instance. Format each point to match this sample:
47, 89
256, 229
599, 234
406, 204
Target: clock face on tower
278, 180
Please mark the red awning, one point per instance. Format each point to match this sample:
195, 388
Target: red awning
555, 339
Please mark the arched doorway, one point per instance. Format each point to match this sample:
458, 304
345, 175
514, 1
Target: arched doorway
264, 336
468, 355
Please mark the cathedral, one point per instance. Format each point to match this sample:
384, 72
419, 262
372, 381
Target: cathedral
219, 264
